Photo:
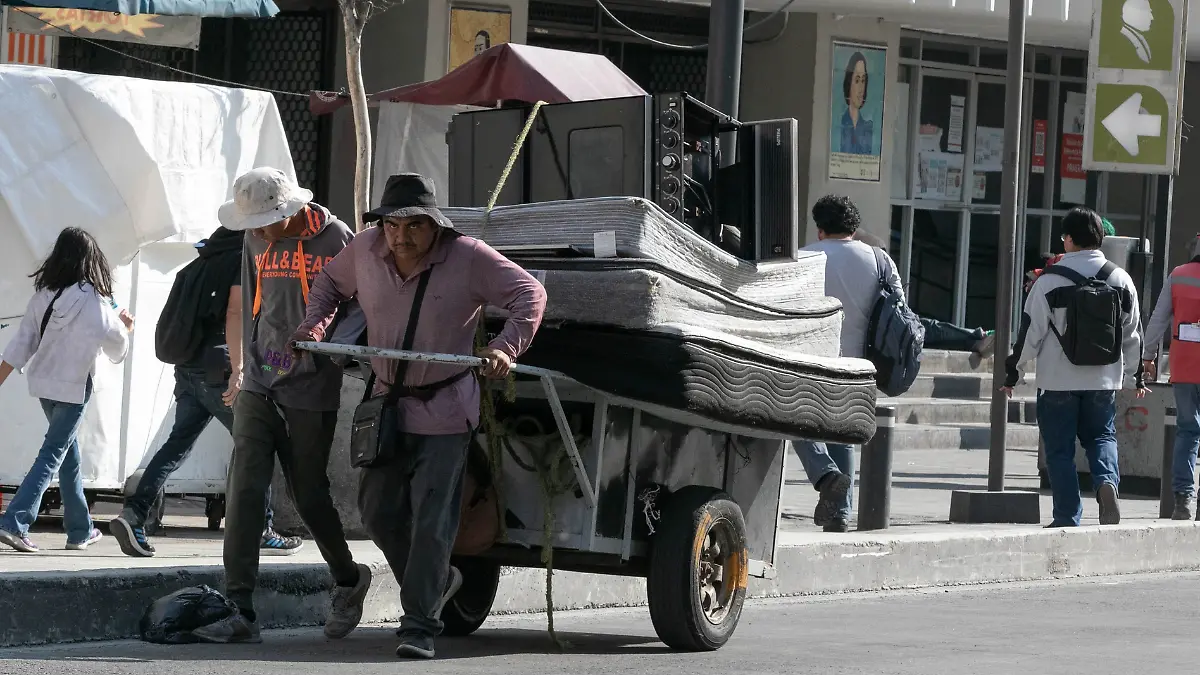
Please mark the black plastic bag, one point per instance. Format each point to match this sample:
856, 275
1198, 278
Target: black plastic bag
172, 618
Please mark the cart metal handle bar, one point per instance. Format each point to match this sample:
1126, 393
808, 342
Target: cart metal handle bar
546, 376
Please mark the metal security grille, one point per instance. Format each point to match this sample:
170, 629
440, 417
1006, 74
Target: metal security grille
121, 58
291, 52
577, 25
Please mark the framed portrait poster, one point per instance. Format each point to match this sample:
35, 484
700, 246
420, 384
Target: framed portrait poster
475, 29
856, 110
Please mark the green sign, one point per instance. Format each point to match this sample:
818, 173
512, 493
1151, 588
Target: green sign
1137, 35
1135, 86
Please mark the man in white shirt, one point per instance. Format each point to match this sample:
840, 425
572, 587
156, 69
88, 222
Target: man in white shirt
851, 276
1079, 399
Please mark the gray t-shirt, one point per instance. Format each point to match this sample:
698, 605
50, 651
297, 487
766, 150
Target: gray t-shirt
852, 276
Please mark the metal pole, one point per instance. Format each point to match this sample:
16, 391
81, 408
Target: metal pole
1007, 243
875, 474
724, 78
1166, 494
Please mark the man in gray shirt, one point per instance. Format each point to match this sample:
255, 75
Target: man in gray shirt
851, 276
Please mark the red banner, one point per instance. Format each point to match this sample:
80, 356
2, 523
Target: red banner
1072, 157
1037, 158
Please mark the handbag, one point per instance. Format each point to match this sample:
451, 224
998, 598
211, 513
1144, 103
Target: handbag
376, 426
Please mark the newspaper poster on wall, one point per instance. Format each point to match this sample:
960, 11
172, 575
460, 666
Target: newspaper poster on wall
1073, 179
856, 111
939, 174
474, 30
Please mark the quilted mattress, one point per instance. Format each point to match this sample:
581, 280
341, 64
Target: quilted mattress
642, 295
798, 396
643, 230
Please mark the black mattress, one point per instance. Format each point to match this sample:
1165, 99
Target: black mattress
822, 399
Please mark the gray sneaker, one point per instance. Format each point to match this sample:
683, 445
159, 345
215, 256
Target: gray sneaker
1110, 504
1183, 507
346, 605
230, 630
415, 646
833, 495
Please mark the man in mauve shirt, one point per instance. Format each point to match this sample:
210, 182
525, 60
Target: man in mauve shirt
416, 497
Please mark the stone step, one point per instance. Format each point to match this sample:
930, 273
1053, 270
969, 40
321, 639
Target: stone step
964, 386
1022, 410
961, 436
941, 361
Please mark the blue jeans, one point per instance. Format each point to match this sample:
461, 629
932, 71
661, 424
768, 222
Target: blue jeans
1062, 417
196, 404
821, 458
1187, 438
59, 454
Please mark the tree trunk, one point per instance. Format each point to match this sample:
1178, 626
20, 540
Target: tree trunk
362, 116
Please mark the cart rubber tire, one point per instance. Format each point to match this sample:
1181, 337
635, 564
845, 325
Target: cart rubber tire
466, 611
215, 510
677, 569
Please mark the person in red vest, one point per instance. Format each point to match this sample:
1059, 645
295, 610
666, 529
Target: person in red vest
1179, 308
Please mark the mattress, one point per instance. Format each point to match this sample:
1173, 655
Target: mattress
643, 230
798, 396
642, 295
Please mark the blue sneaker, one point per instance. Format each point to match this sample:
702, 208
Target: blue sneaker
131, 538
274, 543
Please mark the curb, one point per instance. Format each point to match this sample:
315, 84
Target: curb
107, 604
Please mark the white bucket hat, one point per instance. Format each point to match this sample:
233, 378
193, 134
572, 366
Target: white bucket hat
262, 197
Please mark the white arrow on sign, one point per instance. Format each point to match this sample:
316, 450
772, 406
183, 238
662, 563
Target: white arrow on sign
1129, 122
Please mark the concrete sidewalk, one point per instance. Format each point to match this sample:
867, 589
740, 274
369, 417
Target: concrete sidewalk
101, 594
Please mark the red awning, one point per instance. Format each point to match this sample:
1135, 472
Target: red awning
508, 72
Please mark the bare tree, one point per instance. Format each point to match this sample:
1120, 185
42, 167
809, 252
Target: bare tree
355, 15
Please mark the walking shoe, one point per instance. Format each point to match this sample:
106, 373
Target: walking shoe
132, 539
22, 544
452, 585
235, 628
838, 524
1110, 506
833, 487
1183, 507
94, 537
274, 543
415, 646
346, 605
982, 350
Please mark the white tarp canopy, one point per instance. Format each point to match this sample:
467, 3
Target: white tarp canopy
411, 137
142, 165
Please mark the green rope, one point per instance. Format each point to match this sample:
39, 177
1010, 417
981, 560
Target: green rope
549, 465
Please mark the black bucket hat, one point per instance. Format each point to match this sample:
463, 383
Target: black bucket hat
407, 195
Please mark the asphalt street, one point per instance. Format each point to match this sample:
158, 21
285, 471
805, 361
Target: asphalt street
1093, 626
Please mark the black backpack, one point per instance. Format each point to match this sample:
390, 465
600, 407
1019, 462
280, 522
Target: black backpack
1092, 336
895, 337
180, 333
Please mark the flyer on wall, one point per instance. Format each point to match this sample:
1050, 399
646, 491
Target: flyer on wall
856, 111
1073, 183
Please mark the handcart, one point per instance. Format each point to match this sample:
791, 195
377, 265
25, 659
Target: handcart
640, 490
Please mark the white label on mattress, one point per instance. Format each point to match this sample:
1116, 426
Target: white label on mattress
540, 275
605, 244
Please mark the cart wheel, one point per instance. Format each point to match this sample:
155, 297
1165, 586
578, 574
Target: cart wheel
215, 510
467, 609
698, 570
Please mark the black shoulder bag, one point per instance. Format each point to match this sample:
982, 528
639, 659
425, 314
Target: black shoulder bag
49, 309
376, 429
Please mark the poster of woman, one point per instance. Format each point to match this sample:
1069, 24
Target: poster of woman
474, 30
856, 107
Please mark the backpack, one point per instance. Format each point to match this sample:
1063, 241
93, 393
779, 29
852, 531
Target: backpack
1093, 311
895, 337
179, 335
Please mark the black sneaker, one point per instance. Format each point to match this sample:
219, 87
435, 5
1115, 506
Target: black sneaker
131, 538
1110, 505
838, 524
1183, 507
415, 646
833, 490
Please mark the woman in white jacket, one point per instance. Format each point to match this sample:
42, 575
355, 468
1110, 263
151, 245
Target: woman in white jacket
69, 321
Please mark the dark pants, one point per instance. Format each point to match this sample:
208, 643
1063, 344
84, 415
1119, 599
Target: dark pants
302, 440
942, 335
416, 499
196, 404
1089, 416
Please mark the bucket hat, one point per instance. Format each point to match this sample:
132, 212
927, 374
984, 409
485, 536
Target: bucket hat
262, 197
407, 195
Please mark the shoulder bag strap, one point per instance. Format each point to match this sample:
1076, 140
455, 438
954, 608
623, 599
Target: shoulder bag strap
410, 334
880, 267
49, 308
1106, 271
1064, 271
